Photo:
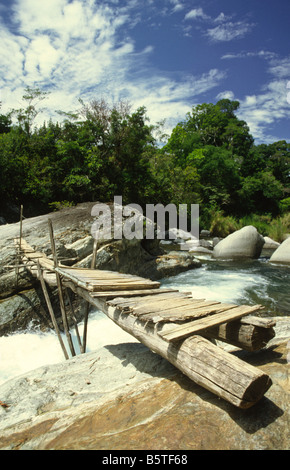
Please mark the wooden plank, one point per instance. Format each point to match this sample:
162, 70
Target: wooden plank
174, 307
126, 294
130, 305
181, 315
99, 274
114, 287
101, 285
159, 296
118, 282
77, 281
196, 326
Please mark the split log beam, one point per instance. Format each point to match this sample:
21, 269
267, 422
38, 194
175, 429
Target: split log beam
245, 336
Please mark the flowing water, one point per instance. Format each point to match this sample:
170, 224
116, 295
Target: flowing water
244, 282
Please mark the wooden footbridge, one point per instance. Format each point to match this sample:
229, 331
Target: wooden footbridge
171, 323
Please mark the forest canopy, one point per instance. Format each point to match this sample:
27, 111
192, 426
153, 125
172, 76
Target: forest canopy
98, 151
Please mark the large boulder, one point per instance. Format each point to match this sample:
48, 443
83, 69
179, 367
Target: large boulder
244, 243
282, 254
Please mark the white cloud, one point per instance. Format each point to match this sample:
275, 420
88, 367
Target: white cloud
262, 110
245, 55
222, 17
229, 95
251, 100
83, 49
229, 31
195, 13
178, 6
281, 67
41, 57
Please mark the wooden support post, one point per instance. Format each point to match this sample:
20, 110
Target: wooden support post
75, 321
51, 312
21, 218
86, 318
60, 291
18, 252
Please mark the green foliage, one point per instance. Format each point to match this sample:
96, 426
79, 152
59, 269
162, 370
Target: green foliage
222, 226
58, 205
261, 222
284, 205
275, 228
279, 228
101, 151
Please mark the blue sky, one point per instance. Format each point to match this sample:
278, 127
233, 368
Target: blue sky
166, 55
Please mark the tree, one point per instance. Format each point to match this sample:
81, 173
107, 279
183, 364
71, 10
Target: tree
5, 122
26, 116
261, 193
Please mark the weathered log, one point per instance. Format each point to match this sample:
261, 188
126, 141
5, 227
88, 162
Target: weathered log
249, 337
206, 364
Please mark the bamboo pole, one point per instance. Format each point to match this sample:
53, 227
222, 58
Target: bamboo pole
86, 318
74, 320
60, 291
18, 253
51, 312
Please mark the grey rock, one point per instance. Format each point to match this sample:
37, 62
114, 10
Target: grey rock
205, 234
270, 244
282, 254
244, 243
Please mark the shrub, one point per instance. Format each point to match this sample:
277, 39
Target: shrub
58, 205
279, 227
222, 226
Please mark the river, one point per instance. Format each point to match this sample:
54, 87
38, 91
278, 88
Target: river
244, 282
